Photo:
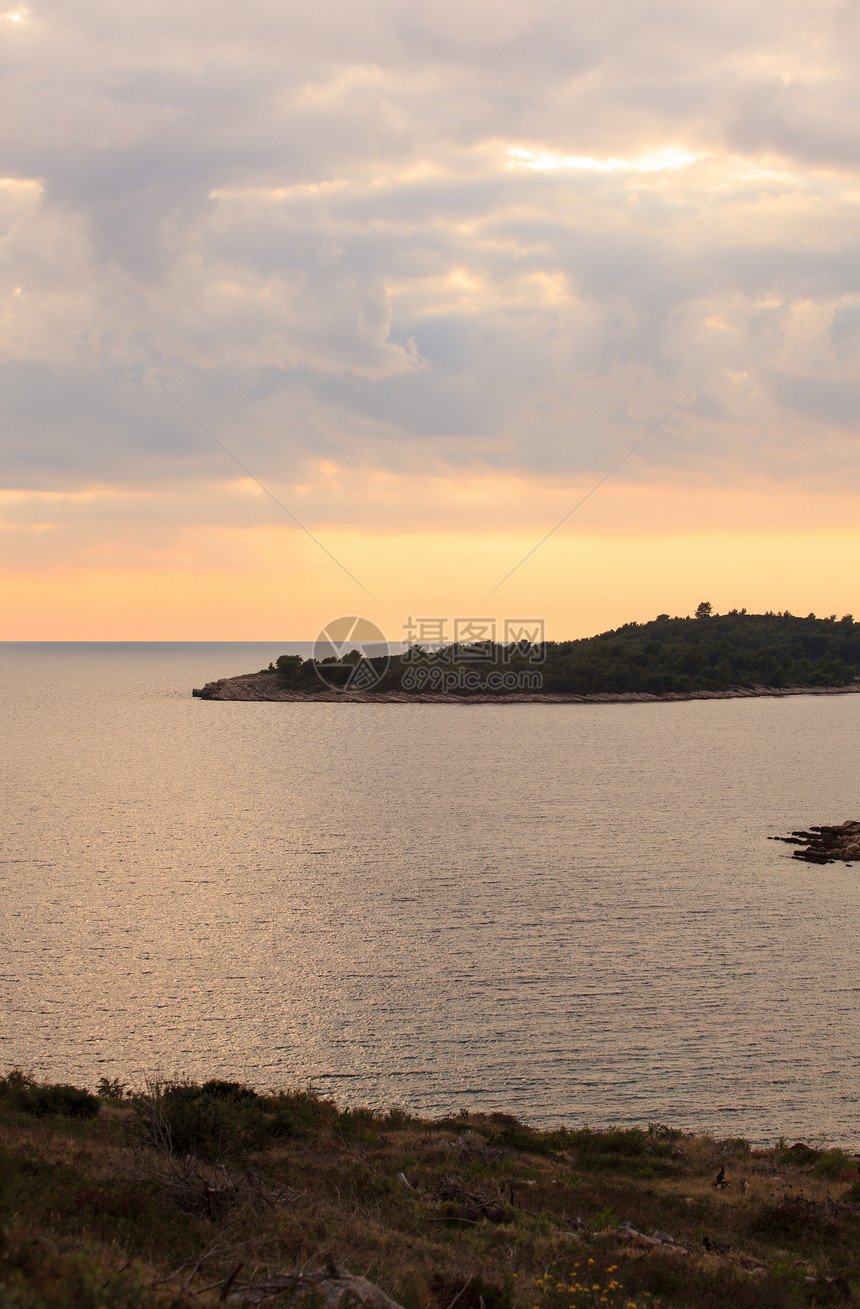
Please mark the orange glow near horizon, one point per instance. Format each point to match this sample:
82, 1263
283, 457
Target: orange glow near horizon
280, 587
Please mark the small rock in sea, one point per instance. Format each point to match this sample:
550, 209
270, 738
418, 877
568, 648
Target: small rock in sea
825, 845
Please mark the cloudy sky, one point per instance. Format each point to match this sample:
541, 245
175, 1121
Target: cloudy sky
428, 272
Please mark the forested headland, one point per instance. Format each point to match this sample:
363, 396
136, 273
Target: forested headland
709, 652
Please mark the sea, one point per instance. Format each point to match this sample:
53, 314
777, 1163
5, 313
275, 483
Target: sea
569, 913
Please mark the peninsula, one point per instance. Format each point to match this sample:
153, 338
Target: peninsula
709, 656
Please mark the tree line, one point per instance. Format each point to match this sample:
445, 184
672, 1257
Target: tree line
708, 652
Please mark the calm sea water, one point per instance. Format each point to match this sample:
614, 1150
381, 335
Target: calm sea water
571, 913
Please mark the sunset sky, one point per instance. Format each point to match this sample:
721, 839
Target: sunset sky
428, 273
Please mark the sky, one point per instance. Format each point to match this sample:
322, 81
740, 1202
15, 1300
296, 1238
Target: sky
310, 309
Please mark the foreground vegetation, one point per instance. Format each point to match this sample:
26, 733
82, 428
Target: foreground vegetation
710, 652
200, 1194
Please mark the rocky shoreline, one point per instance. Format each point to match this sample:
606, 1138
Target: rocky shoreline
825, 845
265, 687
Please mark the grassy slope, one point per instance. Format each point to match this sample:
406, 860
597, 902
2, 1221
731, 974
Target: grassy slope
498, 1216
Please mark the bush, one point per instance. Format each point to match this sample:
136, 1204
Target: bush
22, 1091
70, 1101
297, 1113
212, 1120
836, 1166
604, 1220
234, 1092
356, 1121
396, 1118
736, 1146
515, 1136
112, 1090
800, 1154
14, 1084
613, 1148
218, 1119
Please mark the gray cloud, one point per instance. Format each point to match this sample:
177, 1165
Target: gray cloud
303, 220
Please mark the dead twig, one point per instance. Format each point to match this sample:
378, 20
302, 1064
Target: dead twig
116, 1274
460, 1292
222, 1295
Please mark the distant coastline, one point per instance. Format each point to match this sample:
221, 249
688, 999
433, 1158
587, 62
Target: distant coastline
709, 657
265, 687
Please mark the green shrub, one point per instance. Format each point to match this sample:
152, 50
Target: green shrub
112, 1090
234, 1092
212, 1120
604, 1219
396, 1118
514, 1136
354, 1123
300, 1112
69, 1101
613, 1148
219, 1119
800, 1154
14, 1084
835, 1165
22, 1091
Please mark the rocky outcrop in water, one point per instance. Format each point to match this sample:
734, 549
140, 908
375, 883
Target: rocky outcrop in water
824, 845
